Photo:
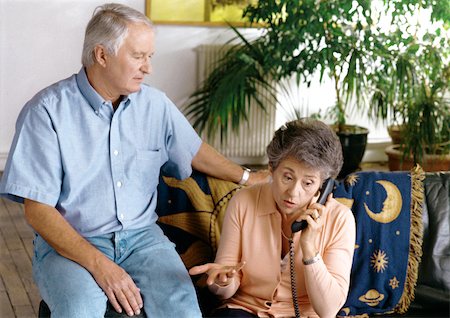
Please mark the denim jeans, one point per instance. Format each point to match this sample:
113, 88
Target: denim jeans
146, 255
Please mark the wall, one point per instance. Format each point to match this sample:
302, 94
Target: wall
41, 41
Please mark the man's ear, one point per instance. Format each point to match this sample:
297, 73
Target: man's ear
100, 55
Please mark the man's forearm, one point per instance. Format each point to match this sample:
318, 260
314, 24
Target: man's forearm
60, 235
211, 162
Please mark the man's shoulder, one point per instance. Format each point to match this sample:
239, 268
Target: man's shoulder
55, 92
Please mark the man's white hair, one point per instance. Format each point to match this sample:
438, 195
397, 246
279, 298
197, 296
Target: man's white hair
109, 27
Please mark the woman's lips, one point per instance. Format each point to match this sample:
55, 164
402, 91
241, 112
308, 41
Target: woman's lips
289, 204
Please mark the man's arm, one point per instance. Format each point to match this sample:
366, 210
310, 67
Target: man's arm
211, 162
115, 282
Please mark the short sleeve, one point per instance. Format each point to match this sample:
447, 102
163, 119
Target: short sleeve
182, 143
33, 169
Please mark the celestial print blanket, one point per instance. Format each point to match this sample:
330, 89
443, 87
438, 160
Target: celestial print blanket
191, 213
388, 211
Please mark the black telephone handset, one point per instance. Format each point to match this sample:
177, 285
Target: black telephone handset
326, 189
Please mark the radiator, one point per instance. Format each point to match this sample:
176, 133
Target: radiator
248, 145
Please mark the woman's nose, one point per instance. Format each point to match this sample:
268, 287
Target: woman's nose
295, 190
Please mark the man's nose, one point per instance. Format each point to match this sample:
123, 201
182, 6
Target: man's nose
146, 67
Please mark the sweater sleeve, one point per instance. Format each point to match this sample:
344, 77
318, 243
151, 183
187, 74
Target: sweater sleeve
229, 250
332, 272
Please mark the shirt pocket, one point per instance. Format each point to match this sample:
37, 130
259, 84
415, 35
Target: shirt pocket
148, 164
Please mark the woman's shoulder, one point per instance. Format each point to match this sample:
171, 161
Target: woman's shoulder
252, 191
251, 196
340, 211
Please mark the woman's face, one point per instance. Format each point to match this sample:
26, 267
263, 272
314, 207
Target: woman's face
294, 184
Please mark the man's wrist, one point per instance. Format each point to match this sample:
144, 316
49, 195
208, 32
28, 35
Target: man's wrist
245, 176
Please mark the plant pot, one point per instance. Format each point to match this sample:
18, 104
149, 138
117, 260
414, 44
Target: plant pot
353, 141
430, 163
395, 132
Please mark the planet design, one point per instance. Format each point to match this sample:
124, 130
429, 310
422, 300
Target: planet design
372, 297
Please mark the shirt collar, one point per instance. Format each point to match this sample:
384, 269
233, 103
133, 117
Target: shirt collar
266, 203
94, 99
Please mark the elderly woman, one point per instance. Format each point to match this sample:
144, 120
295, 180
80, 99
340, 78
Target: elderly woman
251, 272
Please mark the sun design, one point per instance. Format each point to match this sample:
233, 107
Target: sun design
394, 283
352, 179
379, 261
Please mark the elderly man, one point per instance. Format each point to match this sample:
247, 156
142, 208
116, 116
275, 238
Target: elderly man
85, 161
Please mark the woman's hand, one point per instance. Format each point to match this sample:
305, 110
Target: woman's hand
314, 215
219, 274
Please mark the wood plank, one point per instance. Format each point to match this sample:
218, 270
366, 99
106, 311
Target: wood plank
5, 305
24, 311
10, 236
11, 278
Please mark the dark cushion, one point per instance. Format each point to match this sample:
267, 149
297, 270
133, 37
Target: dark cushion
44, 312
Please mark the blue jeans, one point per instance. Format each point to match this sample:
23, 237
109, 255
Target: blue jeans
146, 255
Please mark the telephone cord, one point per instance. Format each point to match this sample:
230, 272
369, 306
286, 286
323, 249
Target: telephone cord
293, 278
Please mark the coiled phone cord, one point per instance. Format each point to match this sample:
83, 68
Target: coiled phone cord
293, 278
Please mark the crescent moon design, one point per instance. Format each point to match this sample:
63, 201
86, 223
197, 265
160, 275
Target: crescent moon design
391, 206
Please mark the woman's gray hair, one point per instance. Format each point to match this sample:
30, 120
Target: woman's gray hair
109, 27
309, 141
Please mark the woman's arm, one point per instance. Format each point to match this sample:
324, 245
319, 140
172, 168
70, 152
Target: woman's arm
229, 251
332, 272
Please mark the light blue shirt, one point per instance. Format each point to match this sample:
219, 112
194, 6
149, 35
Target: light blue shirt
98, 167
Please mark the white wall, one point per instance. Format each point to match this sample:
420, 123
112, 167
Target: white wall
41, 42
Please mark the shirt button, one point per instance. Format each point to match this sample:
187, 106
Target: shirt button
116, 152
119, 184
121, 217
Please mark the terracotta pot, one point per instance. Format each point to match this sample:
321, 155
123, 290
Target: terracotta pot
395, 132
430, 162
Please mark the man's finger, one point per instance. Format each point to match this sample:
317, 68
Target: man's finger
113, 300
123, 300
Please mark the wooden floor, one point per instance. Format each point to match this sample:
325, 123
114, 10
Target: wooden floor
19, 297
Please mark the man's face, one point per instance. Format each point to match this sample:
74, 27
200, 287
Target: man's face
125, 71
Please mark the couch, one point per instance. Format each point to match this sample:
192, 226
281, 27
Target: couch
191, 213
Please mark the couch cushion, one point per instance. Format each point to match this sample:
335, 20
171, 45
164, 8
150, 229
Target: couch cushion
433, 285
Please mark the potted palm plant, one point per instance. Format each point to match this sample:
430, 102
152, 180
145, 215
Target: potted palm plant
411, 89
306, 40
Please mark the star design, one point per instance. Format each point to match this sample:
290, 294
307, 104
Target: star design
394, 283
379, 261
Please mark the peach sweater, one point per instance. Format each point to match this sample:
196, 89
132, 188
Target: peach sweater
252, 233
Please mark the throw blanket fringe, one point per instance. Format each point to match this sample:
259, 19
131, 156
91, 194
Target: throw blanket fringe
415, 247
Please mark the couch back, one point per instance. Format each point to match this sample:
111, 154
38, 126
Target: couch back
191, 214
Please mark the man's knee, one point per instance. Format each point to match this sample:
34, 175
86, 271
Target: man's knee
77, 304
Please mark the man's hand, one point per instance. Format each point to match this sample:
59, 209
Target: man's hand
259, 177
120, 288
